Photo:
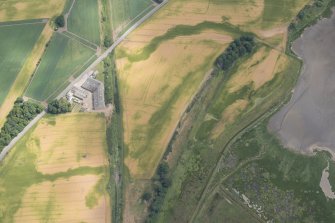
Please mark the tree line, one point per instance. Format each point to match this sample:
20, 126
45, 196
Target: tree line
237, 49
18, 118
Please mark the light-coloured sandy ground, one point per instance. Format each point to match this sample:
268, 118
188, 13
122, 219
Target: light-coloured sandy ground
30, 9
259, 69
63, 201
72, 141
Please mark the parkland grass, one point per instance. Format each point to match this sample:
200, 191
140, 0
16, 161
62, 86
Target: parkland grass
16, 44
64, 59
84, 20
44, 178
15, 10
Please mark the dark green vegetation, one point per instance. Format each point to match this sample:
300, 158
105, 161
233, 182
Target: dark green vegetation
60, 21
115, 150
161, 183
126, 12
64, 59
18, 118
308, 16
84, 20
237, 49
181, 30
16, 43
244, 163
59, 106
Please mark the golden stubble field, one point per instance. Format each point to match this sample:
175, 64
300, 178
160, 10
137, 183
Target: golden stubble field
58, 172
15, 10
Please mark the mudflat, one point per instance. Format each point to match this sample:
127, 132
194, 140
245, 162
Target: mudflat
308, 120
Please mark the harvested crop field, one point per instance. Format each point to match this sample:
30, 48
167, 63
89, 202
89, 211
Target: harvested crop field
35, 188
84, 20
63, 59
17, 41
156, 90
15, 10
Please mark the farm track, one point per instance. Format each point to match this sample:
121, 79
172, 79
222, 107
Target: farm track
236, 136
91, 66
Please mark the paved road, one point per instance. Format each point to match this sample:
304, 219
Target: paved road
20, 135
94, 64
113, 46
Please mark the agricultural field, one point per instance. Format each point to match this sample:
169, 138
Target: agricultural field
17, 42
126, 12
15, 10
155, 90
84, 22
23, 77
239, 99
148, 94
58, 172
63, 61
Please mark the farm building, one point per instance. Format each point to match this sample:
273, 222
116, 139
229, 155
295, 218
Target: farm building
97, 89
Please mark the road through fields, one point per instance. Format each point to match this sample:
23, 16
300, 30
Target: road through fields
5, 151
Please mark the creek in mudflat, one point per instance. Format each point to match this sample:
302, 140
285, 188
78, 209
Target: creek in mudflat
307, 122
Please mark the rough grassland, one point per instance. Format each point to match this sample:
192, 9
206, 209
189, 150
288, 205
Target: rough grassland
14, 10
16, 44
126, 12
63, 59
84, 20
22, 80
72, 192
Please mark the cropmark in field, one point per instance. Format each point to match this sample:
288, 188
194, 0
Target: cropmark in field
57, 173
15, 10
161, 68
64, 59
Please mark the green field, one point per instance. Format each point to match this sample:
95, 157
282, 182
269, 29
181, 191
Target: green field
63, 59
15, 45
126, 12
84, 20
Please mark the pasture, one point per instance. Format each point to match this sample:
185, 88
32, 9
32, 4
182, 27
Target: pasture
35, 187
126, 12
15, 10
17, 42
63, 60
84, 20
